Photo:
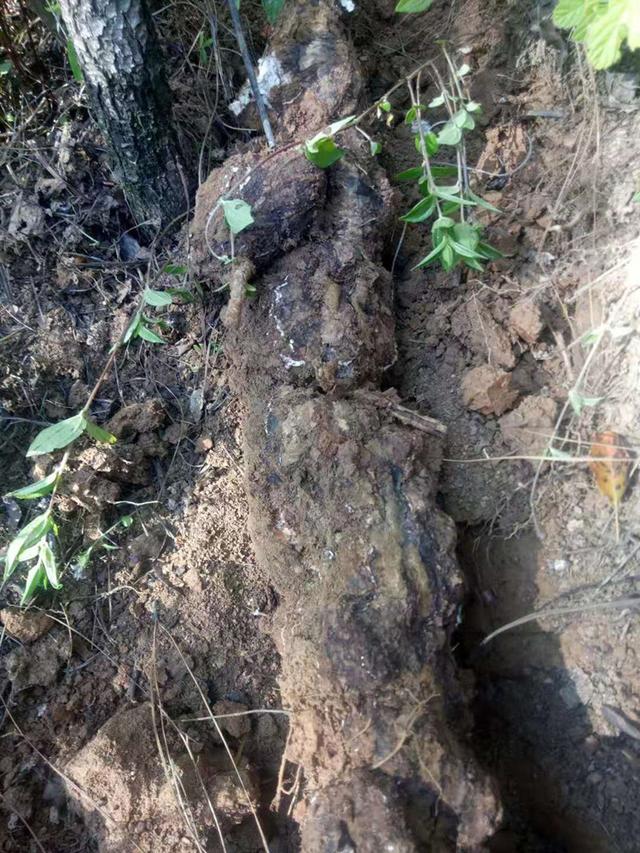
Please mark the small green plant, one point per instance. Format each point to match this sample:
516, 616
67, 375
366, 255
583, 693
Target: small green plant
81, 560
237, 216
141, 323
456, 238
321, 149
446, 194
602, 26
35, 544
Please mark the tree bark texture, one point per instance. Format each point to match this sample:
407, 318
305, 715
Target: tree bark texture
122, 66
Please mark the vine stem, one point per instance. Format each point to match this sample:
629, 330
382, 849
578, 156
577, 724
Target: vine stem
415, 102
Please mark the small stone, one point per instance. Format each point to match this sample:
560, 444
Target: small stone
26, 625
235, 726
203, 444
526, 321
488, 390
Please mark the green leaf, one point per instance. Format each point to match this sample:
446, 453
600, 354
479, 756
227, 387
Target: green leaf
339, 125
464, 70
579, 402
430, 142
474, 263
187, 295
96, 432
375, 147
420, 211
488, 252
323, 152
593, 336
569, 13
450, 194
413, 174
450, 134
30, 535
471, 196
126, 520
437, 102
464, 251
158, 298
74, 65
149, 335
444, 171
605, 34
384, 106
237, 214
272, 9
35, 490
407, 7
35, 580
473, 107
412, 113
132, 329
466, 234
5, 67
432, 255
174, 269
49, 564
448, 258
443, 223
57, 436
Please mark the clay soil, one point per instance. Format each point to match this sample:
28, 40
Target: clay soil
129, 697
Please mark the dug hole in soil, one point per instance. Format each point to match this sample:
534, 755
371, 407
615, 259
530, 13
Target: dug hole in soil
284, 650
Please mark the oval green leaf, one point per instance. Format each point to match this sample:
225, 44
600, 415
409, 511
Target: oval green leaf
237, 214
411, 7
57, 436
35, 490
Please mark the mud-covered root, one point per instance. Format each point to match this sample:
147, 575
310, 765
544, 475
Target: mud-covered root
342, 490
342, 511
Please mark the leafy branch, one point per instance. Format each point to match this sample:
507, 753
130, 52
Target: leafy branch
35, 544
456, 237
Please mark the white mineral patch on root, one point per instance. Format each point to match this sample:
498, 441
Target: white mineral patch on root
270, 74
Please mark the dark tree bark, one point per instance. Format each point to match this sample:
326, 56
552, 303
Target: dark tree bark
118, 53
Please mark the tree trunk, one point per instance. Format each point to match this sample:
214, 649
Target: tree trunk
122, 66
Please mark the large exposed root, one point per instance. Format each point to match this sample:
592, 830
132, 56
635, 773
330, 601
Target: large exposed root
342, 494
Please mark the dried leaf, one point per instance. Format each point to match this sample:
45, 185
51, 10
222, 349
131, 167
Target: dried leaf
611, 469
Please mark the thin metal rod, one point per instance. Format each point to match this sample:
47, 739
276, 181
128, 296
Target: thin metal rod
251, 74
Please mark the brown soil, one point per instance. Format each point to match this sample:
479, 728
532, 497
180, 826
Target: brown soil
293, 550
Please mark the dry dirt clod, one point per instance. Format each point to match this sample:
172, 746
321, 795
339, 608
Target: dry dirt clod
525, 319
488, 390
137, 418
25, 625
474, 325
123, 779
529, 427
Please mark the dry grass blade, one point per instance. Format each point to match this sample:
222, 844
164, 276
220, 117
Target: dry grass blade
168, 766
220, 734
563, 611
